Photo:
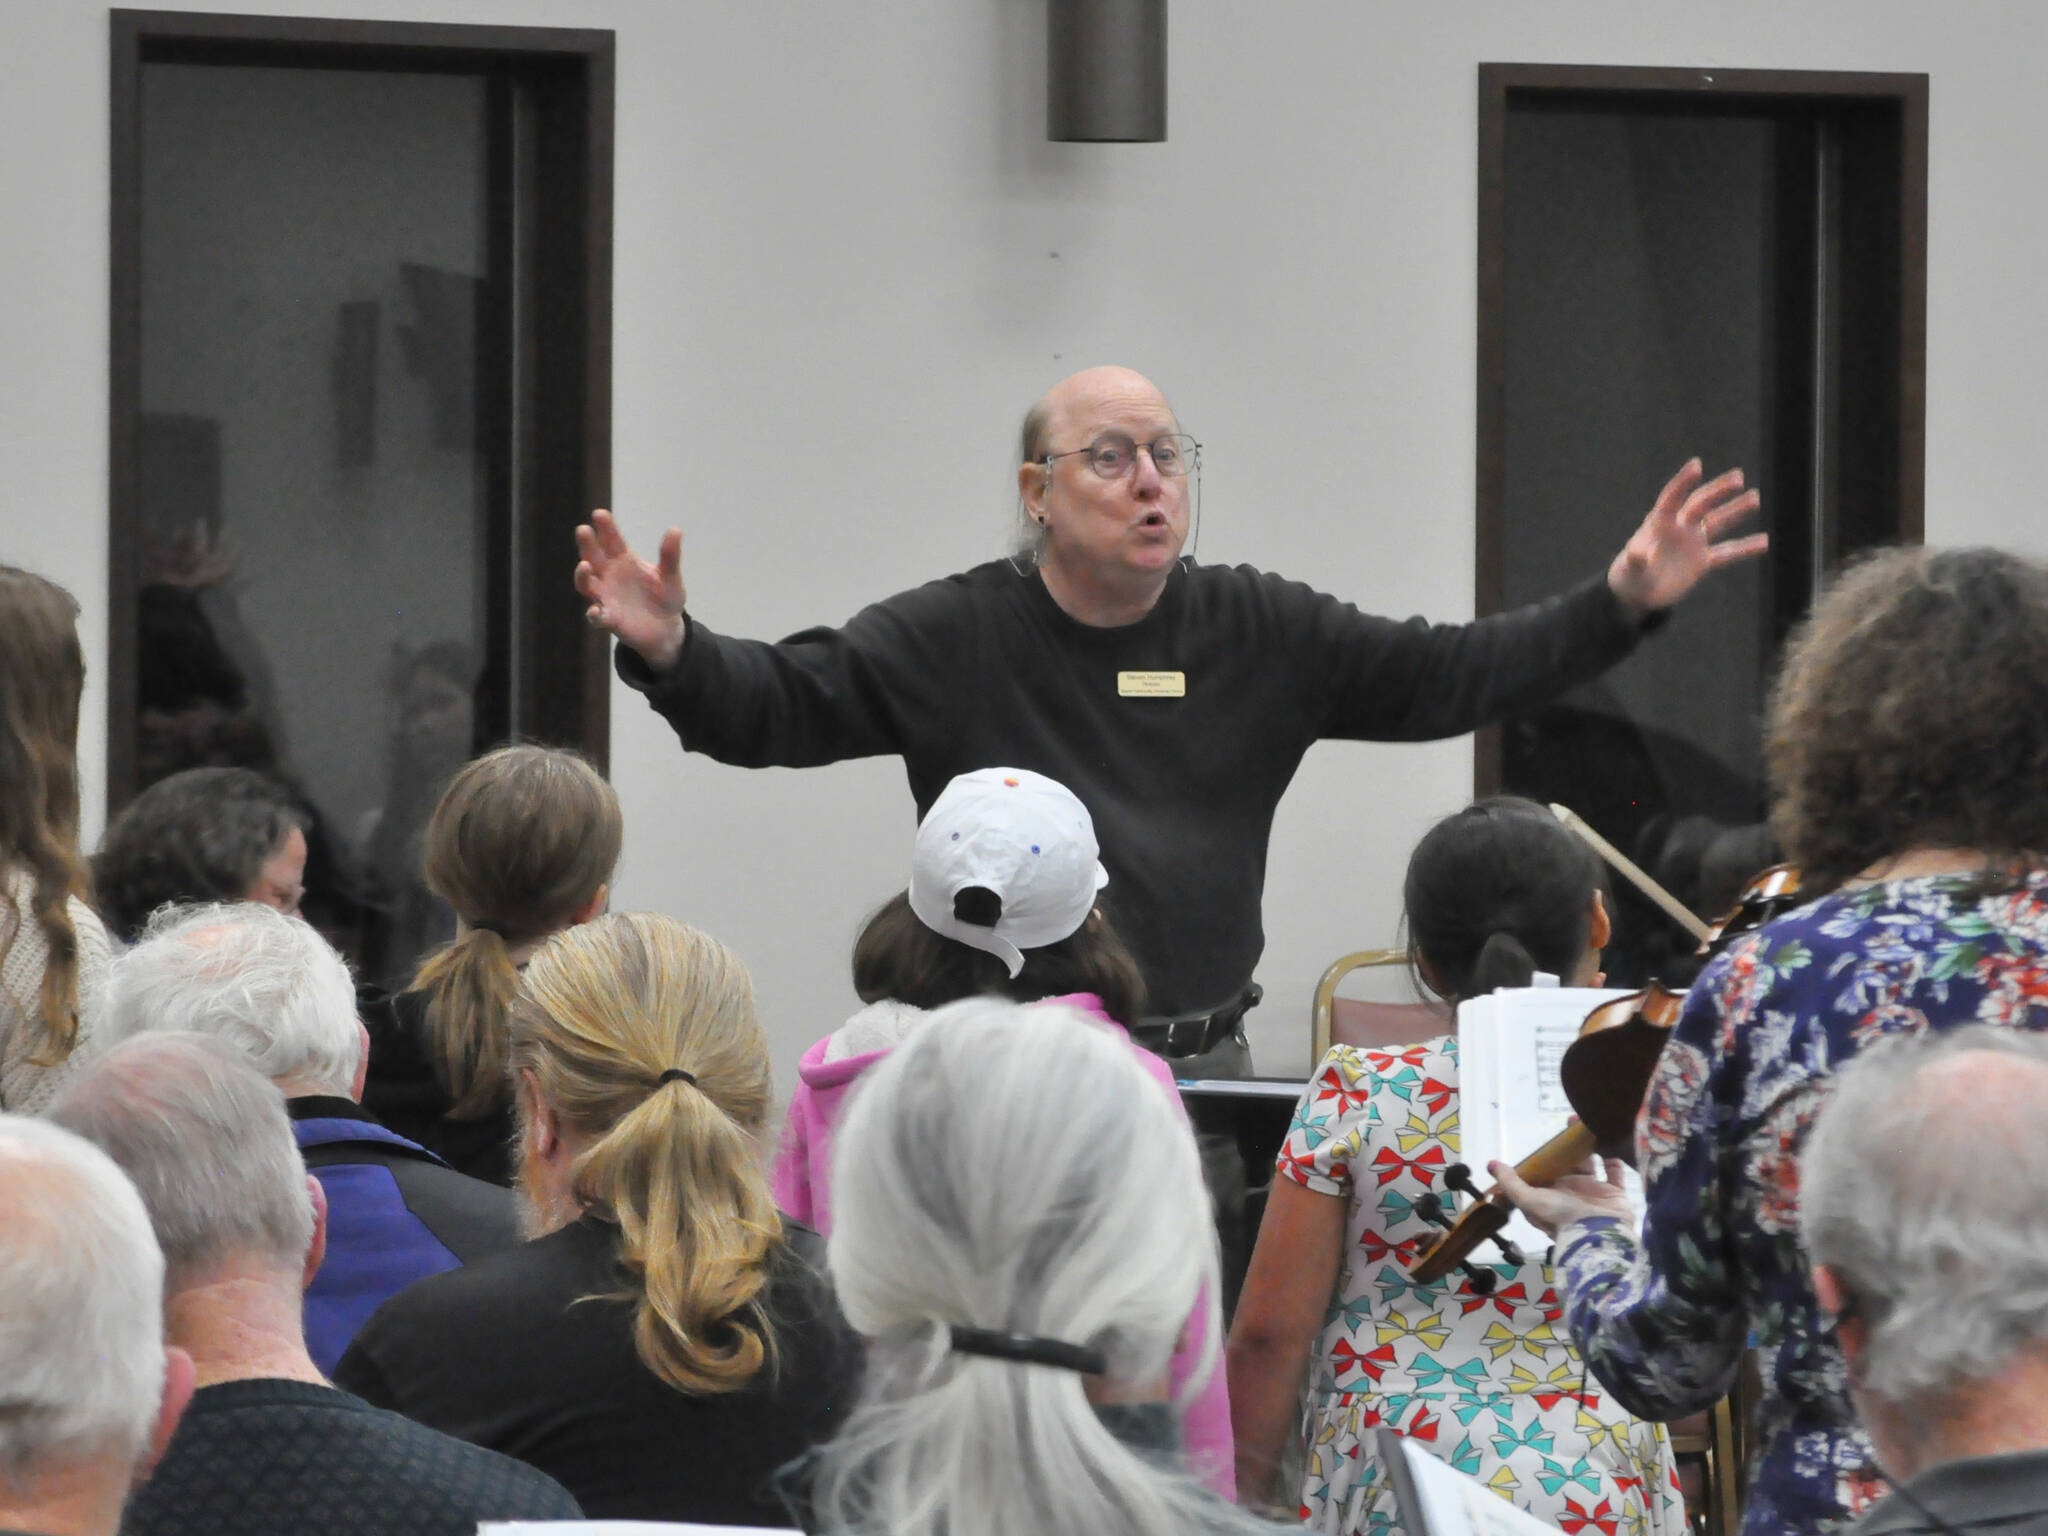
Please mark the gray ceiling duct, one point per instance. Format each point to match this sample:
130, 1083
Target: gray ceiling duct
1105, 71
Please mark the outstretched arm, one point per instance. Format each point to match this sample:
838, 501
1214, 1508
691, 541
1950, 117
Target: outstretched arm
641, 604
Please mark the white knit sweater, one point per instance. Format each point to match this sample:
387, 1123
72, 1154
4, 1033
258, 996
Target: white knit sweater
25, 1087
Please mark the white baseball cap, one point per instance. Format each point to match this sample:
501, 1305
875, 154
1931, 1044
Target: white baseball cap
1021, 835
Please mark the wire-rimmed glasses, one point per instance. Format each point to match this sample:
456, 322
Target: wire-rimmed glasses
1111, 455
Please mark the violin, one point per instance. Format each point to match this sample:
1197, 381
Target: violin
1605, 1074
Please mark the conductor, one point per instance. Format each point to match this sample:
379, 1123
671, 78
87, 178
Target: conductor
1175, 699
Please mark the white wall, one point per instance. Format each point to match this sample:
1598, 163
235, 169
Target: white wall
847, 259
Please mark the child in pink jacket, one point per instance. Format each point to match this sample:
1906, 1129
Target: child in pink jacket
1002, 899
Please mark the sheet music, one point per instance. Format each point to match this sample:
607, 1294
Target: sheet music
1510, 1045
1437, 1499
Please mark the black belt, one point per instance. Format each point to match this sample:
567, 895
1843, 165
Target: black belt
1196, 1034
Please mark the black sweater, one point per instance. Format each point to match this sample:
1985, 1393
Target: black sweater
985, 670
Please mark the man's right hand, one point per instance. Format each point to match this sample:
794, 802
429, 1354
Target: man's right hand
641, 604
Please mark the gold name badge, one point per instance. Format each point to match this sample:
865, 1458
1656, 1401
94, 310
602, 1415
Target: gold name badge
1152, 685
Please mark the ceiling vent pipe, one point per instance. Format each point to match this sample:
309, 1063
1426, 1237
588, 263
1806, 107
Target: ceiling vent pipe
1105, 71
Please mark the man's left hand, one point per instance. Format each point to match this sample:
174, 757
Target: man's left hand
1681, 540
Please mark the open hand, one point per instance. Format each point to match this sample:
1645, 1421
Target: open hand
1680, 541
1572, 1198
642, 604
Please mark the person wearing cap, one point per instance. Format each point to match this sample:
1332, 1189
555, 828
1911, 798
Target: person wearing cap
1175, 699
1004, 880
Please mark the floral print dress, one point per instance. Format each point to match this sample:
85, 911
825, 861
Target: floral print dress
1489, 1383
1664, 1322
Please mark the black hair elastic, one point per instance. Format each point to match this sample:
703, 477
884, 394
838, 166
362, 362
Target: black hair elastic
675, 1075
1032, 1351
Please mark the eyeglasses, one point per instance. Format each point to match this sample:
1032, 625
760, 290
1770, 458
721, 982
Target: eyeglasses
1112, 455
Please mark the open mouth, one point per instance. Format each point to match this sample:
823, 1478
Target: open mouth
1152, 520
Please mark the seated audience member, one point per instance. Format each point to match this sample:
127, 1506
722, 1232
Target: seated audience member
267, 1448
1905, 748
54, 951
1003, 885
1921, 1210
274, 990
522, 845
207, 834
665, 1342
1493, 894
1023, 1236
89, 1394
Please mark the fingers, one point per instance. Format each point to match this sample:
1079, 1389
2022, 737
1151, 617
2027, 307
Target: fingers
1732, 551
1677, 489
1612, 1167
1706, 498
669, 562
586, 579
1511, 1183
605, 534
1717, 520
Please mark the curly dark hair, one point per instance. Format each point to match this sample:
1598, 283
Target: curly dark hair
201, 835
1912, 712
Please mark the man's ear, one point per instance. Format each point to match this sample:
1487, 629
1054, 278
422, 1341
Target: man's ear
1031, 484
180, 1377
316, 1251
1838, 1302
542, 1130
355, 1088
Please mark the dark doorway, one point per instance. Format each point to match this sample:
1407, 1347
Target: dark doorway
360, 399
1673, 262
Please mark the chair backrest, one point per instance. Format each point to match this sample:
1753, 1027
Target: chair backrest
1371, 1025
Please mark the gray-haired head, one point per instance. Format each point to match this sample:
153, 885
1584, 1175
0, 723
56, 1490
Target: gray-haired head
81, 1306
208, 1143
1920, 1187
266, 984
1012, 1168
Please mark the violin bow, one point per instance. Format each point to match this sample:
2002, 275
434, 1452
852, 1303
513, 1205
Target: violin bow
1627, 867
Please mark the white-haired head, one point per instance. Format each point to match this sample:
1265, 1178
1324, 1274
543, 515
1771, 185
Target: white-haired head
266, 984
208, 1143
1920, 1189
1013, 1169
81, 1308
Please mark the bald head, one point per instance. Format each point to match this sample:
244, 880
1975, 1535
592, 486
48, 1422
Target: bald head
1080, 397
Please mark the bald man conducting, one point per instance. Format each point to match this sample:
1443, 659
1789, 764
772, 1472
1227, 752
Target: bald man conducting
1175, 699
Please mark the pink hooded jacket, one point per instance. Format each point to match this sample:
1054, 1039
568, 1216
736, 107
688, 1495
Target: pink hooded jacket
803, 1165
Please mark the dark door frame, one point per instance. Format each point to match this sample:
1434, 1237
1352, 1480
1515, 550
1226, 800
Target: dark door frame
1665, 87
564, 455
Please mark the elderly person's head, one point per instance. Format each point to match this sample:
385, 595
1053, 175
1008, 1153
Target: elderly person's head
206, 1140
266, 984
1012, 1173
1912, 714
207, 834
642, 1087
1103, 482
1922, 1212
88, 1392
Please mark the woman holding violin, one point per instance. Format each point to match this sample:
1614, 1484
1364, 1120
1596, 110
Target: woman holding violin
1475, 1365
1907, 756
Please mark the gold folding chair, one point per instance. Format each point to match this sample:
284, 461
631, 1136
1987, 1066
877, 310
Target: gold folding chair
1372, 1025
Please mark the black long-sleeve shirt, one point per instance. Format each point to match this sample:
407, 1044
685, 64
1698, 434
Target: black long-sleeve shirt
985, 669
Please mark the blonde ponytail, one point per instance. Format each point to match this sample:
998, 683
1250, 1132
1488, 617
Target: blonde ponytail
640, 1032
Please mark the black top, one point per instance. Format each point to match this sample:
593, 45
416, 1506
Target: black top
405, 1092
287, 1458
508, 1354
986, 670
2007, 1494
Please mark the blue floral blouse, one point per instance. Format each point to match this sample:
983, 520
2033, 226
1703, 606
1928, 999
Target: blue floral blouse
1663, 1323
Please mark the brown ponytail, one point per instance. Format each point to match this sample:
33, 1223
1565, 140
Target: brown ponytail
606, 1010
42, 675
522, 840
